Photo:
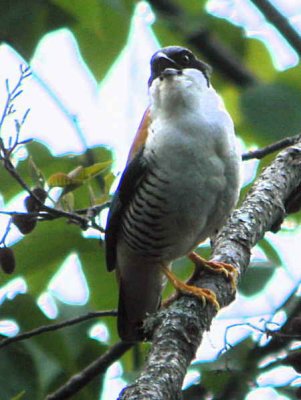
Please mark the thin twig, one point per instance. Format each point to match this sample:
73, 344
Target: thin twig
7, 230
94, 210
47, 213
97, 367
271, 148
280, 340
54, 327
12, 94
281, 23
54, 212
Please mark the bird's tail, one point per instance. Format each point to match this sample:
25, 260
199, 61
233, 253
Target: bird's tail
139, 295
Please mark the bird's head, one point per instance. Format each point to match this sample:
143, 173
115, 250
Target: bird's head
178, 58
177, 79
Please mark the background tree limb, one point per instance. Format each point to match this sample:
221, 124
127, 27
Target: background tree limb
53, 327
99, 366
280, 22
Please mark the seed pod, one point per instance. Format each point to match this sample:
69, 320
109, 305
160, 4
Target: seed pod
31, 203
25, 223
7, 260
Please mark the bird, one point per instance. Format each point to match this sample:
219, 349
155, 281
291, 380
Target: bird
179, 186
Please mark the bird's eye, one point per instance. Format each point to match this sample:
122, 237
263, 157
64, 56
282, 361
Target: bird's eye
185, 58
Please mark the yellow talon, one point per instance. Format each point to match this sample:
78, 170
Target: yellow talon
205, 295
228, 270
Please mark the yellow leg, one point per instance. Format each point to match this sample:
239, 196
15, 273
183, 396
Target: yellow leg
201, 293
219, 267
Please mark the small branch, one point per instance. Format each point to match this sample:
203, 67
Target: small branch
12, 94
7, 230
95, 210
280, 340
97, 367
281, 23
271, 148
54, 327
53, 213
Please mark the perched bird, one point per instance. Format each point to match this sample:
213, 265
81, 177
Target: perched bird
179, 186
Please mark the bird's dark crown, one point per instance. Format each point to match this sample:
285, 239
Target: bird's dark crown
176, 57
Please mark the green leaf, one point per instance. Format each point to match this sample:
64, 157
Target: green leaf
97, 23
273, 110
24, 310
291, 77
96, 169
215, 376
22, 23
48, 165
78, 176
255, 279
19, 396
60, 179
40, 254
258, 59
18, 373
94, 23
270, 251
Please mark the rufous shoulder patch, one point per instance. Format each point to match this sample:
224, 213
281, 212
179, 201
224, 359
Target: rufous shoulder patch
141, 135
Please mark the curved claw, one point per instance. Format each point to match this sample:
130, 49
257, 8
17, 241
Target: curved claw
205, 295
228, 270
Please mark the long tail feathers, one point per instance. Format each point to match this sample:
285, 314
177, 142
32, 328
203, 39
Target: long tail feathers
137, 299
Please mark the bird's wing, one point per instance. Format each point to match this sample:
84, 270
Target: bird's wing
141, 135
132, 175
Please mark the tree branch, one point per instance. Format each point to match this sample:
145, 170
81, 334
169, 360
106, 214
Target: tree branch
178, 330
271, 148
97, 367
54, 327
281, 23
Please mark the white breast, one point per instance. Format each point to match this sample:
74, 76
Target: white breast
192, 145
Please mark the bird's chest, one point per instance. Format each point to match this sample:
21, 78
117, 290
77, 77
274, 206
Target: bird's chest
195, 175
193, 157
182, 199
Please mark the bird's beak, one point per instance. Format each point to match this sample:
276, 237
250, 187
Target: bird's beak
159, 62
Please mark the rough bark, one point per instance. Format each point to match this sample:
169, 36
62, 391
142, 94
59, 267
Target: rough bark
178, 330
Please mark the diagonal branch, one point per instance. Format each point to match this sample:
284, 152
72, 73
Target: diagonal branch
178, 330
53, 327
271, 148
281, 23
97, 367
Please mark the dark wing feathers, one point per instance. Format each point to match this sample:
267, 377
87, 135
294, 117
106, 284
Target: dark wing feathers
129, 180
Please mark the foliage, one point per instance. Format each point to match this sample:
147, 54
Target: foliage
263, 113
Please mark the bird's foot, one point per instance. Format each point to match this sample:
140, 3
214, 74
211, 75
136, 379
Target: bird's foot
216, 266
205, 295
